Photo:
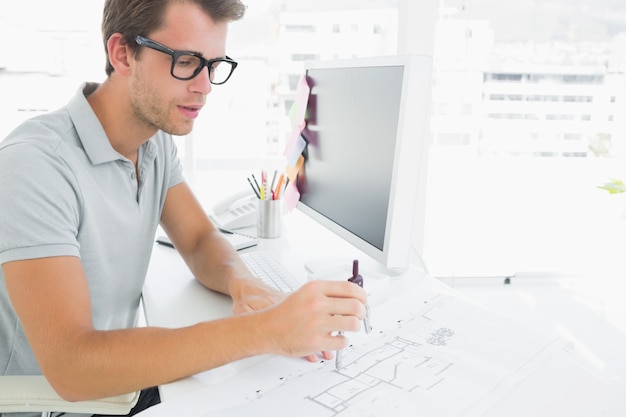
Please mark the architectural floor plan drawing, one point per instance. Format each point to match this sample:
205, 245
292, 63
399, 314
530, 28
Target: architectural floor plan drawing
438, 355
423, 362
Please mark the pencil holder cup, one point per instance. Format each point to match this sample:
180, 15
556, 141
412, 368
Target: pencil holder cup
269, 222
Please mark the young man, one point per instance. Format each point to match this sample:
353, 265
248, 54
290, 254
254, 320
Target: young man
82, 191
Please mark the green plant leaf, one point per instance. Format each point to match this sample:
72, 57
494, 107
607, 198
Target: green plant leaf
614, 186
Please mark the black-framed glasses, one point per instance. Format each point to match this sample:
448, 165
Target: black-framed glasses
186, 65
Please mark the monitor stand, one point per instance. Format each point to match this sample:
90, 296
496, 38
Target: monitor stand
376, 278
343, 267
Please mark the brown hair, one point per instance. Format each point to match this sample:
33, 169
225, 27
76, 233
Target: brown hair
141, 17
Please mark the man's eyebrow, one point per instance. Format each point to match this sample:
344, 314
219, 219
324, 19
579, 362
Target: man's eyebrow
192, 52
200, 54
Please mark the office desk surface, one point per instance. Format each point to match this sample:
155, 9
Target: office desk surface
173, 298
588, 311
557, 384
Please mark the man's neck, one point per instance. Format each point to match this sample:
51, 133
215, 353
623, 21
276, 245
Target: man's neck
113, 110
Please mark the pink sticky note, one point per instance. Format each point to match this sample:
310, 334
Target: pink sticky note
291, 196
298, 108
297, 113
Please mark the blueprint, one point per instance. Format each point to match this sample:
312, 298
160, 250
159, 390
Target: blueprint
431, 354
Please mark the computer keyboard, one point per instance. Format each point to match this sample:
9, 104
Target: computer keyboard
267, 268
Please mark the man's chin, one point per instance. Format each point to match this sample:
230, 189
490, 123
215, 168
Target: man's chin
178, 130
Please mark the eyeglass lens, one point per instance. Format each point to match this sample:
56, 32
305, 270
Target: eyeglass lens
188, 66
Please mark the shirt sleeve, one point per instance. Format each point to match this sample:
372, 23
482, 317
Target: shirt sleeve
40, 207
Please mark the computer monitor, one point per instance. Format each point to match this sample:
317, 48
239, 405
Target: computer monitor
367, 135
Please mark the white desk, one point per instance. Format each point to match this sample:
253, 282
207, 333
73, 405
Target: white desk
558, 387
173, 298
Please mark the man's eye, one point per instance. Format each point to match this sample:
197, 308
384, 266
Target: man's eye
187, 61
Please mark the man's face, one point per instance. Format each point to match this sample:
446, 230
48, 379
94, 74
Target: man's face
160, 100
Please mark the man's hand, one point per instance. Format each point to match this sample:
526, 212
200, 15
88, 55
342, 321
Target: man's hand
307, 321
253, 295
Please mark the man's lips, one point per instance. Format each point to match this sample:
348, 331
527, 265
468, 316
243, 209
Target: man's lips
190, 111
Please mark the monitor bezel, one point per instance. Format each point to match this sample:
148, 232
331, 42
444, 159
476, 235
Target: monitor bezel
405, 220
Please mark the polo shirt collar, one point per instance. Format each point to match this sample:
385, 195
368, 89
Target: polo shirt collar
90, 131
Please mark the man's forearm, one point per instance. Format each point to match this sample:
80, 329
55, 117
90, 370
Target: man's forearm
215, 263
97, 364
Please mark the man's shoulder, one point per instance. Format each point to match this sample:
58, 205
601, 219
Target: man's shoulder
46, 131
38, 149
53, 128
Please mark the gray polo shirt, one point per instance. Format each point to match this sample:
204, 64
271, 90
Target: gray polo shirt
64, 191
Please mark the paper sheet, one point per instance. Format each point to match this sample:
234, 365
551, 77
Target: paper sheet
431, 354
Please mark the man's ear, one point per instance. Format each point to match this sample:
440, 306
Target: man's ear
120, 55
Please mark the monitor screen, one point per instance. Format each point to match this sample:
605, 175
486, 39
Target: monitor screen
366, 148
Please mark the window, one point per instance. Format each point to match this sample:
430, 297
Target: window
44, 59
527, 114
300, 28
521, 194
